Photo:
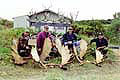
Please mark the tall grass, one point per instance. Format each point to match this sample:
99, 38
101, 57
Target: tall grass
6, 36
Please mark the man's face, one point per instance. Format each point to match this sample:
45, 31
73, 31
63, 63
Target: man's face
25, 34
28, 34
100, 36
46, 28
70, 30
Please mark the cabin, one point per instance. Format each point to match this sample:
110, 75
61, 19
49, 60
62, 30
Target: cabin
55, 21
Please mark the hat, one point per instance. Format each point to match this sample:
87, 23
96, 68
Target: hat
100, 33
46, 26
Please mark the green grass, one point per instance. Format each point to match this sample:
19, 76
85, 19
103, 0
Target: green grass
6, 36
85, 37
5, 56
55, 60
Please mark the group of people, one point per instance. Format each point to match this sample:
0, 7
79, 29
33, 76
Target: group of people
68, 39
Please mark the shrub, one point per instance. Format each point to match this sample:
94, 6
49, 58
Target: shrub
113, 32
6, 37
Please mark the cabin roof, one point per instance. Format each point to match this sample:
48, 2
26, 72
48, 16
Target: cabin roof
49, 11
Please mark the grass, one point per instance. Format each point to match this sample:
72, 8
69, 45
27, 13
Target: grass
77, 72
6, 36
85, 37
55, 60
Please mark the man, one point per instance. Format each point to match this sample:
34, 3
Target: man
41, 38
101, 44
23, 48
69, 38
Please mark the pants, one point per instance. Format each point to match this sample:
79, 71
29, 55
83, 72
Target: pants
70, 46
23, 52
103, 51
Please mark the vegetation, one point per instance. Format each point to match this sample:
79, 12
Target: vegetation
6, 37
5, 23
111, 29
114, 30
90, 28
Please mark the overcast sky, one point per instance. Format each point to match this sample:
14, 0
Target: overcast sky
88, 9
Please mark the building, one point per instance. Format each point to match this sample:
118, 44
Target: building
56, 22
21, 22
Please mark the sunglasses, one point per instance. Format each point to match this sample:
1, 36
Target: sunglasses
46, 28
70, 29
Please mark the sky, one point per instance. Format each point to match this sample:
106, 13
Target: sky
88, 9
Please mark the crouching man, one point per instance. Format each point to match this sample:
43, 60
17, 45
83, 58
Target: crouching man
23, 48
101, 45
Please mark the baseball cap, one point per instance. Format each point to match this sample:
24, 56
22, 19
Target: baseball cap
100, 33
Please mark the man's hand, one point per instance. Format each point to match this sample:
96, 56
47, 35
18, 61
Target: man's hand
53, 44
88, 44
27, 47
39, 49
100, 47
69, 42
